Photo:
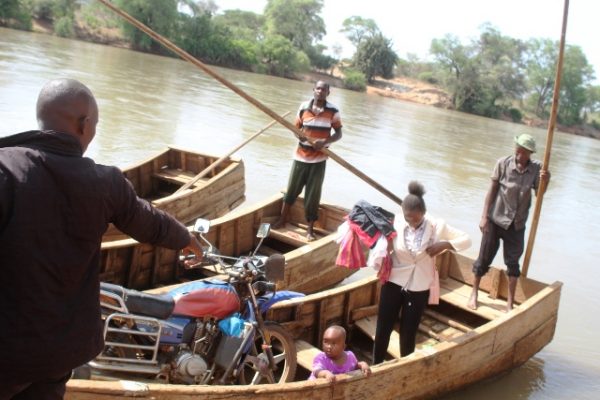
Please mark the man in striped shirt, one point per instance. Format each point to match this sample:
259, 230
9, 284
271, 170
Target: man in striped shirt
316, 118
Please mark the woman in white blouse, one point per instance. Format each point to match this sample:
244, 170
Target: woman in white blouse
406, 285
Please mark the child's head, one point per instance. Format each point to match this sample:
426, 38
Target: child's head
334, 341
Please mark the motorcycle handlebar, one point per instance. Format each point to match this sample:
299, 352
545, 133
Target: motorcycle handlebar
264, 286
234, 274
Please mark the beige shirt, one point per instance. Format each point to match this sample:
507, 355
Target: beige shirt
406, 261
514, 192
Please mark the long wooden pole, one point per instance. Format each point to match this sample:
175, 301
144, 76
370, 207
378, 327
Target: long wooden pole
214, 165
550, 136
188, 57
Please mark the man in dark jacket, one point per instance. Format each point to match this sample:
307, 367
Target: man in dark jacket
54, 208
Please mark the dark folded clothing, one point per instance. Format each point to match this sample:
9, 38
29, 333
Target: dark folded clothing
372, 219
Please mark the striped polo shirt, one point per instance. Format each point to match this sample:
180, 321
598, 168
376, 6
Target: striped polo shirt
315, 125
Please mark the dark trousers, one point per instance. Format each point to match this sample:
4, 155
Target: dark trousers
396, 303
52, 388
514, 244
310, 177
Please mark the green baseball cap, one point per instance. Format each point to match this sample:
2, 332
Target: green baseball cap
525, 141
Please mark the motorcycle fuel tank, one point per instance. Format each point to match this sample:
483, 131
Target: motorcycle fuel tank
205, 298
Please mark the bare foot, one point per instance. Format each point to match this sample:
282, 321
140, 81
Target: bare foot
310, 237
509, 307
472, 304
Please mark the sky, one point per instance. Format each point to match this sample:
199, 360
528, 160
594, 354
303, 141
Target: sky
412, 24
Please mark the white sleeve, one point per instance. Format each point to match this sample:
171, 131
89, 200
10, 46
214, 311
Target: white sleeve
457, 238
378, 253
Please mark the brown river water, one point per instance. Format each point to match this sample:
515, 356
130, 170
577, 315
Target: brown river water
147, 102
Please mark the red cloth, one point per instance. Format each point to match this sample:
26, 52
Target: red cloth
386, 269
364, 237
350, 254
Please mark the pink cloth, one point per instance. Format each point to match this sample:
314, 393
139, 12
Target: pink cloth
434, 289
350, 254
386, 268
364, 237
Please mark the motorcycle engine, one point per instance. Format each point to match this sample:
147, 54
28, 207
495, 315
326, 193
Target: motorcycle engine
189, 367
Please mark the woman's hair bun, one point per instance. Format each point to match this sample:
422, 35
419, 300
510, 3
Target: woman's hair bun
416, 188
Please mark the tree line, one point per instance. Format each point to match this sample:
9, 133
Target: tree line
493, 75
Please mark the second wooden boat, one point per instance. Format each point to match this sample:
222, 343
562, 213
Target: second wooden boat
159, 177
309, 265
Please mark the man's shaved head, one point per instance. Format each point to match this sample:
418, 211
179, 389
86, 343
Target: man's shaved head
68, 106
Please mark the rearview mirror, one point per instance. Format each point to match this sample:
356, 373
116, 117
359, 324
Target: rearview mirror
201, 225
263, 230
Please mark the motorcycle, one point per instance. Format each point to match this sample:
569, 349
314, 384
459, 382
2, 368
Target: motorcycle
203, 332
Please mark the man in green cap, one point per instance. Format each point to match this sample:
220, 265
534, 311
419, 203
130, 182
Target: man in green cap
505, 212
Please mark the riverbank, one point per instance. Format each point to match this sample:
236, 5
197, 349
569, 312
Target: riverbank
399, 88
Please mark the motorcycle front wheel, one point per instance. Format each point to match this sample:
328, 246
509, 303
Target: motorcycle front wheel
255, 368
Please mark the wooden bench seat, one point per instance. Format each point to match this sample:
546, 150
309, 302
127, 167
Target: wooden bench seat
293, 235
177, 176
368, 325
305, 354
431, 332
458, 294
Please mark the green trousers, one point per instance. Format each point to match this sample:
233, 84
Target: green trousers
309, 176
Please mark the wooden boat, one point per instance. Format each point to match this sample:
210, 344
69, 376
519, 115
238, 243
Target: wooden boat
309, 265
158, 178
456, 346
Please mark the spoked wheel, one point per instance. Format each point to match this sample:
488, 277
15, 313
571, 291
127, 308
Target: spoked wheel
256, 365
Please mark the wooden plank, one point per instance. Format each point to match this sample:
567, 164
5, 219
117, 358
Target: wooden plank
305, 353
496, 276
362, 312
368, 326
458, 294
447, 320
289, 234
177, 176
316, 229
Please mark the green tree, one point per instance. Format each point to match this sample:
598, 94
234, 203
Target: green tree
41, 9
592, 104
501, 68
456, 66
358, 28
244, 25
375, 57
484, 76
540, 58
199, 7
318, 59
213, 43
576, 77
160, 15
279, 57
14, 14
296, 20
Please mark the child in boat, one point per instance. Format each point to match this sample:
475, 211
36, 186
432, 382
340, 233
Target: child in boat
333, 359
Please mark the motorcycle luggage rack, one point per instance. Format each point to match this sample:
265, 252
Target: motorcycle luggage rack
152, 333
112, 302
